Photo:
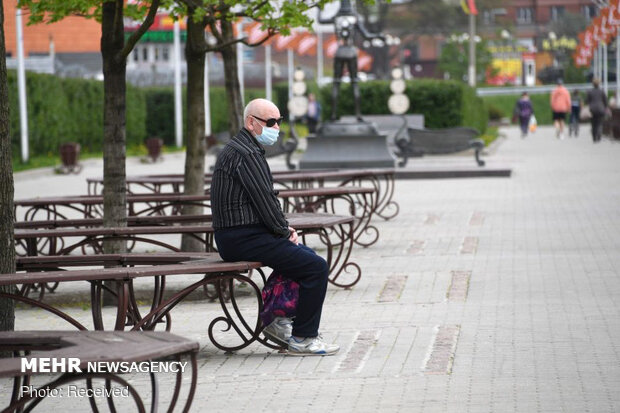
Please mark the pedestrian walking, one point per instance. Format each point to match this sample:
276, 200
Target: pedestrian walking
314, 113
575, 112
560, 105
597, 102
523, 112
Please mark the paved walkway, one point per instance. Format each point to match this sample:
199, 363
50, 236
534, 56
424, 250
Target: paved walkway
482, 295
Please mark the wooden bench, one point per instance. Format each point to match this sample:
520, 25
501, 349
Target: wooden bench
215, 271
59, 262
394, 126
358, 201
382, 180
335, 232
95, 347
419, 142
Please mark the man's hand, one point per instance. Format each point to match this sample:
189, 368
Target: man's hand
293, 238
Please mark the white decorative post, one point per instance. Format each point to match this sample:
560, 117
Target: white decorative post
398, 103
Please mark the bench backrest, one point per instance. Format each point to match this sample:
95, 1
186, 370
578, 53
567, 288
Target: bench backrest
392, 124
441, 140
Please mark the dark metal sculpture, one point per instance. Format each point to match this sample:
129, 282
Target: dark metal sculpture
346, 22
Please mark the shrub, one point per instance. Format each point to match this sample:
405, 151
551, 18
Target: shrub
443, 103
69, 110
495, 113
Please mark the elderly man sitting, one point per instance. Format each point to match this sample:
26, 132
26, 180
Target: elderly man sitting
250, 226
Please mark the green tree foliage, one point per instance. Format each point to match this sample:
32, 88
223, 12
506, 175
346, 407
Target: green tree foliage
454, 59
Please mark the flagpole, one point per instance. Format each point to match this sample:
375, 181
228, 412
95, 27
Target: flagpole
472, 50
268, 72
605, 83
290, 73
618, 69
21, 86
207, 97
319, 57
240, 73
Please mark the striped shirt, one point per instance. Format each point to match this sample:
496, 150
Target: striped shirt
242, 188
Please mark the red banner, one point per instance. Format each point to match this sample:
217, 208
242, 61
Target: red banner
307, 45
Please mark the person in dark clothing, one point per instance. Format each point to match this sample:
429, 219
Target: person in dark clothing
575, 111
597, 101
314, 113
523, 112
250, 226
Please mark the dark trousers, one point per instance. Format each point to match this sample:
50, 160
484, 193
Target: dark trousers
524, 123
312, 122
297, 262
597, 126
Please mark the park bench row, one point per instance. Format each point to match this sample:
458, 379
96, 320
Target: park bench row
334, 232
381, 180
359, 202
163, 218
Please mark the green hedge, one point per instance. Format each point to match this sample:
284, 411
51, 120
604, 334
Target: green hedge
443, 103
160, 110
62, 110
69, 110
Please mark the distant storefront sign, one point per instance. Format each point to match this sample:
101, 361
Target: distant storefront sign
506, 71
160, 36
561, 43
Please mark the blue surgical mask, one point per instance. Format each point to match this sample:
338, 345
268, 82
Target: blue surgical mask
269, 136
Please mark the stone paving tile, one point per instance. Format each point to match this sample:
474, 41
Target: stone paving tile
538, 325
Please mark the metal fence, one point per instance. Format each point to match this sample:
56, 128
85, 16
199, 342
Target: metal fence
532, 90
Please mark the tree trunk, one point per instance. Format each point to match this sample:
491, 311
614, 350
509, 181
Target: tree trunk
114, 88
233, 89
114, 188
7, 246
194, 182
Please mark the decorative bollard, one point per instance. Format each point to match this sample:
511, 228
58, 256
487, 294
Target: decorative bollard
153, 145
69, 156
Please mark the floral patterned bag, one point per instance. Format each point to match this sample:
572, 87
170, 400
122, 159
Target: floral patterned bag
280, 297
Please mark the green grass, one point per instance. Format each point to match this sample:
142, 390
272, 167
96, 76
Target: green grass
506, 103
490, 135
300, 128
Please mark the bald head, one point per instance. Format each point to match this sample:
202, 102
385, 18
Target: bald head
261, 108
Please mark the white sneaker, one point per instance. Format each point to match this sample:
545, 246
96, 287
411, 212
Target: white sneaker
279, 331
311, 346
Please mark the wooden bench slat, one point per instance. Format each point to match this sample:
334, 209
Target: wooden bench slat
124, 273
